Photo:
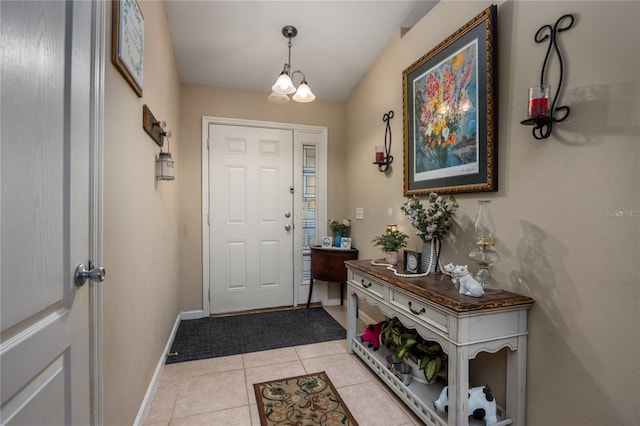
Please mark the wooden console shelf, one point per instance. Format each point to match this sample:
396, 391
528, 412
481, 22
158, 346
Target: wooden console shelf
464, 326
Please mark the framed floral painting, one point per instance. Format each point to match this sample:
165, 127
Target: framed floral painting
450, 112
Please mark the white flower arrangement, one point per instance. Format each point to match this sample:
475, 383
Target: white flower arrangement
340, 226
434, 221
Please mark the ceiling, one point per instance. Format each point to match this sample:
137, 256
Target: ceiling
239, 44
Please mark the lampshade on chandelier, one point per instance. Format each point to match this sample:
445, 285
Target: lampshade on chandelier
283, 87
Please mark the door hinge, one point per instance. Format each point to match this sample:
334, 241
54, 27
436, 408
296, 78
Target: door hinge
208, 143
209, 219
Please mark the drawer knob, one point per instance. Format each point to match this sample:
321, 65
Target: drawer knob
365, 285
413, 311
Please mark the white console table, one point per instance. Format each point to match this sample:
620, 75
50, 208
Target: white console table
464, 326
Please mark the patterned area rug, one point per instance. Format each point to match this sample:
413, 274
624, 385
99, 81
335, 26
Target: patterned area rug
303, 400
212, 337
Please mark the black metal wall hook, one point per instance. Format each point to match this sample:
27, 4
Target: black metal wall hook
542, 125
383, 165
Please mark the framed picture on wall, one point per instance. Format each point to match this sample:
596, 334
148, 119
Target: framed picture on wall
450, 112
127, 42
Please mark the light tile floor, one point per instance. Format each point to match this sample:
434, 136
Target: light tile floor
219, 391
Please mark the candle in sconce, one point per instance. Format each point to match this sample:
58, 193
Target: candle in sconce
538, 101
379, 153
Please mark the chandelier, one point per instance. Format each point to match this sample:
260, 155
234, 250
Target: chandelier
283, 86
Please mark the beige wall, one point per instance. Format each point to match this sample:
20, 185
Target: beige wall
558, 240
556, 234
198, 101
140, 222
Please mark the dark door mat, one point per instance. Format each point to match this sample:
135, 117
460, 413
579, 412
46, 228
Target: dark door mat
212, 337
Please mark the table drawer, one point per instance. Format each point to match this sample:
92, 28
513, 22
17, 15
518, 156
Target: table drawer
366, 283
434, 317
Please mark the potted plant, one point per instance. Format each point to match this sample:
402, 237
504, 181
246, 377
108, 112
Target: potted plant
340, 229
428, 357
390, 242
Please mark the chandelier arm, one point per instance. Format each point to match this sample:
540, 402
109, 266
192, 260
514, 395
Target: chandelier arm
304, 78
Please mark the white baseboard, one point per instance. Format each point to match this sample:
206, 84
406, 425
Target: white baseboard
146, 401
366, 318
332, 301
187, 315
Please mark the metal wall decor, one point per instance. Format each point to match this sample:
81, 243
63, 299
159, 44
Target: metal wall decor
384, 159
541, 117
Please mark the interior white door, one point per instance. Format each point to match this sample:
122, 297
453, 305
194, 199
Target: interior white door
46, 69
251, 218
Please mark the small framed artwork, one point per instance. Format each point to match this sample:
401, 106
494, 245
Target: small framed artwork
327, 242
345, 243
412, 261
127, 42
450, 112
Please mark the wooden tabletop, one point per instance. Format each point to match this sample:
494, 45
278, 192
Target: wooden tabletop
334, 249
438, 288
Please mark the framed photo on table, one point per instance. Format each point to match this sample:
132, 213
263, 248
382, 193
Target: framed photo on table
127, 42
412, 262
327, 242
345, 243
450, 112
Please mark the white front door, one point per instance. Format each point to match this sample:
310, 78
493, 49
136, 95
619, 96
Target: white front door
251, 217
46, 110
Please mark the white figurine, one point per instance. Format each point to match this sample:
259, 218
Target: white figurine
482, 404
468, 285
449, 269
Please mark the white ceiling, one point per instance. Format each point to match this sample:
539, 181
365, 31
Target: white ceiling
239, 44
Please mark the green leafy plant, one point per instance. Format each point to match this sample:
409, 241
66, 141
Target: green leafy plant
407, 343
391, 240
431, 359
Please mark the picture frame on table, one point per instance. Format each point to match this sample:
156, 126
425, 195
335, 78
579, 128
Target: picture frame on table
412, 262
127, 42
450, 113
345, 243
327, 242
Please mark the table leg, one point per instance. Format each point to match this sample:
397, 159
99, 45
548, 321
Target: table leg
310, 290
517, 382
459, 380
352, 311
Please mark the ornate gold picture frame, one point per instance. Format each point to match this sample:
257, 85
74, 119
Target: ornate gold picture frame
450, 113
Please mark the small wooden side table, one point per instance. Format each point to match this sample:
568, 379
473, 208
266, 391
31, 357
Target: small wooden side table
327, 264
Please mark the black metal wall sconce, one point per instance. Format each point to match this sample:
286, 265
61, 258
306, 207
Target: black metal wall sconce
383, 153
539, 115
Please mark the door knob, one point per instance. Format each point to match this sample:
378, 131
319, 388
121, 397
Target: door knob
287, 227
83, 274
287, 214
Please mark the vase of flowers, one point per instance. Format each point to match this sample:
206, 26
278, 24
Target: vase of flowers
340, 229
433, 222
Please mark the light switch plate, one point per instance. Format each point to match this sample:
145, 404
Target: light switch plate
359, 213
